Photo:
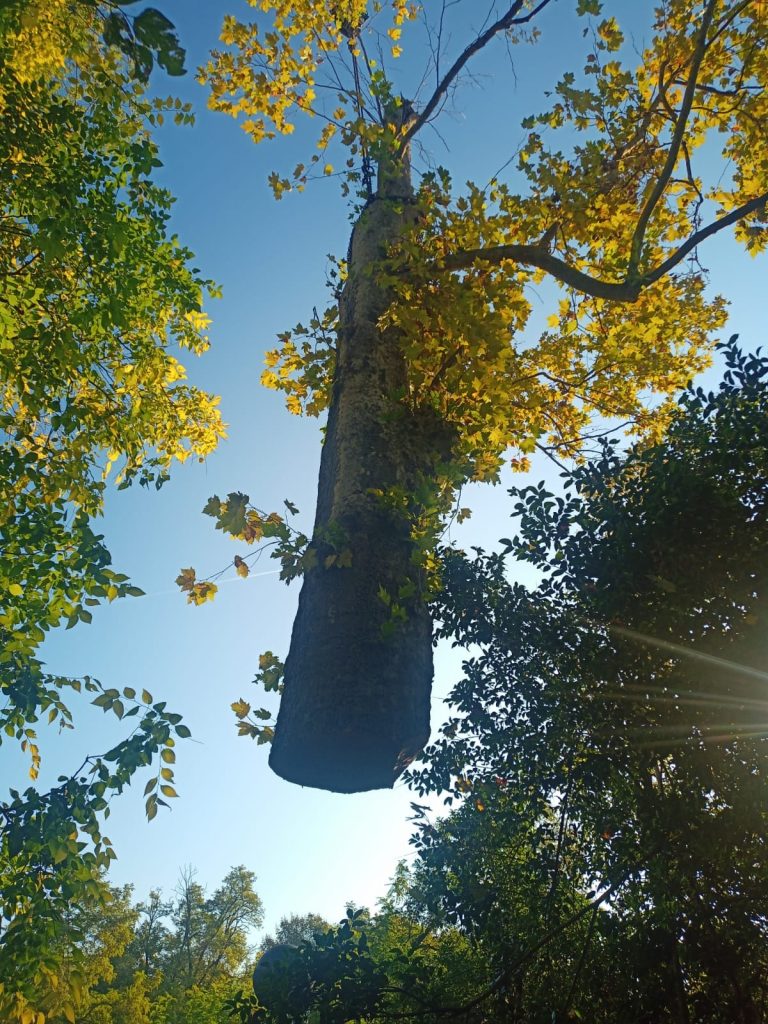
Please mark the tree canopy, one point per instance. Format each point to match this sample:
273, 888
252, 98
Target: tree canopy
604, 763
98, 296
617, 711
163, 961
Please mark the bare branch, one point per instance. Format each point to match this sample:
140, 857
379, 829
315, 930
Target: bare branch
677, 140
501, 25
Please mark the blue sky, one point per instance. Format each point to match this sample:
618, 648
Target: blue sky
311, 851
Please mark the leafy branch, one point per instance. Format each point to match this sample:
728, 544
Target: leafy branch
627, 290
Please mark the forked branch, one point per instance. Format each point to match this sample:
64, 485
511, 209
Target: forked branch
627, 290
677, 140
505, 22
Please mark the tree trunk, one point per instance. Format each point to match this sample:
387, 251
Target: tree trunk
355, 706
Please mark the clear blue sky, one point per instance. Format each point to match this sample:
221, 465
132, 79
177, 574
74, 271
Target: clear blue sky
311, 851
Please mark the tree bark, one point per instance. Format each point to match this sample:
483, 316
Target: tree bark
355, 705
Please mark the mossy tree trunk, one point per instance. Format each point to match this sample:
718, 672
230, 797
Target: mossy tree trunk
355, 708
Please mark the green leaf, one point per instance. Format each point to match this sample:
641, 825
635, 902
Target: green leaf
232, 519
159, 35
212, 507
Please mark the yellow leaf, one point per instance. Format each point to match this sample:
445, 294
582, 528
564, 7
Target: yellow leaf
202, 592
241, 708
186, 579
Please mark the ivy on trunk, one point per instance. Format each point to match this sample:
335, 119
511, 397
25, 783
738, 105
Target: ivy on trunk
355, 705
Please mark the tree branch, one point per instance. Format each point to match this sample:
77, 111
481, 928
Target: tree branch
505, 22
677, 140
627, 290
535, 256
711, 229
574, 981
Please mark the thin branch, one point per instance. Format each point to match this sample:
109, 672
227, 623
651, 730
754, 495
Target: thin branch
580, 964
23, 266
560, 465
677, 140
505, 22
566, 796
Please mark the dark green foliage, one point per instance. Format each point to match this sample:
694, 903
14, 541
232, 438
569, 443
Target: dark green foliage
295, 929
146, 38
613, 721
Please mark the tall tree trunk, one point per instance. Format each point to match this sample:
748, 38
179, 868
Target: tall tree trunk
355, 707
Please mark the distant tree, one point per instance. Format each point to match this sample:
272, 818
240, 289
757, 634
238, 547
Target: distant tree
294, 929
134, 1004
160, 962
148, 948
210, 934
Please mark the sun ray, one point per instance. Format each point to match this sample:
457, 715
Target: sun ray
689, 652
